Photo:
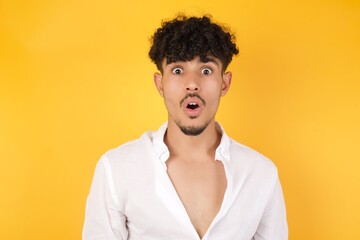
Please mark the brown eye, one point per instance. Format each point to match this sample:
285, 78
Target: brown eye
177, 71
206, 71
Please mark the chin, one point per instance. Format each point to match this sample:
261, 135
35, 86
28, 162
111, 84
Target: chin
191, 129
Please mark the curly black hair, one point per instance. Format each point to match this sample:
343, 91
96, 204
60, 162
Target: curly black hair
183, 38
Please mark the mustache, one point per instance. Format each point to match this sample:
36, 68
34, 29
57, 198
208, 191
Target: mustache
192, 95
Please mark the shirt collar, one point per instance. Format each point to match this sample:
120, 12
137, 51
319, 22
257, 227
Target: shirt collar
158, 141
222, 152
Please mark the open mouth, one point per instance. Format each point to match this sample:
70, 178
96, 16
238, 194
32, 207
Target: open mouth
192, 106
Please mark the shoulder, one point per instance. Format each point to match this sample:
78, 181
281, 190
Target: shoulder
130, 152
251, 160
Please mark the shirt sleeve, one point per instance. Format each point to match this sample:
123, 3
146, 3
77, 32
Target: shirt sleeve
103, 220
273, 224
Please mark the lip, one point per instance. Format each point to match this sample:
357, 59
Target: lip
192, 113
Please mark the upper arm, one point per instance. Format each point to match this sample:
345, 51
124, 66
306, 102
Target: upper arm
273, 224
103, 220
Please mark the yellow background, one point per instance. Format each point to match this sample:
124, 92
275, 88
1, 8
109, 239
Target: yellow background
75, 81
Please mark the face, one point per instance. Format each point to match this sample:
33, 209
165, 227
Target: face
192, 91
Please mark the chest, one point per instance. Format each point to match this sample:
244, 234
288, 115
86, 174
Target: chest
184, 200
200, 187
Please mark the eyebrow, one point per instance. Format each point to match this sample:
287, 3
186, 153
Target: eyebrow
209, 59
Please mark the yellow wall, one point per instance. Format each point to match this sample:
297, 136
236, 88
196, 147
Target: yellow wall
75, 81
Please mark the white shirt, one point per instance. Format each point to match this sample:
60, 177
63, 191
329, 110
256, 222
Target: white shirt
132, 197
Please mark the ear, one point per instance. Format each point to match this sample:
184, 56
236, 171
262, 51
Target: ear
226, 83
158, 83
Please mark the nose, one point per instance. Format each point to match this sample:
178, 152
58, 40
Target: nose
192, 84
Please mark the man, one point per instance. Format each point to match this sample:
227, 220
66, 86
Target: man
188, 180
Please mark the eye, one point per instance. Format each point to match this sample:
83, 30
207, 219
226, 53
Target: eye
206, 71
177, 71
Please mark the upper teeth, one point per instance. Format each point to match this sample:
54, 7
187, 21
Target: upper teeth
192, 103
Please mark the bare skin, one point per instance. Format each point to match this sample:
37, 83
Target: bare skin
198, 179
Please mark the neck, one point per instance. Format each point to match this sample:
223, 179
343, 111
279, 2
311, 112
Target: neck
192, 147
